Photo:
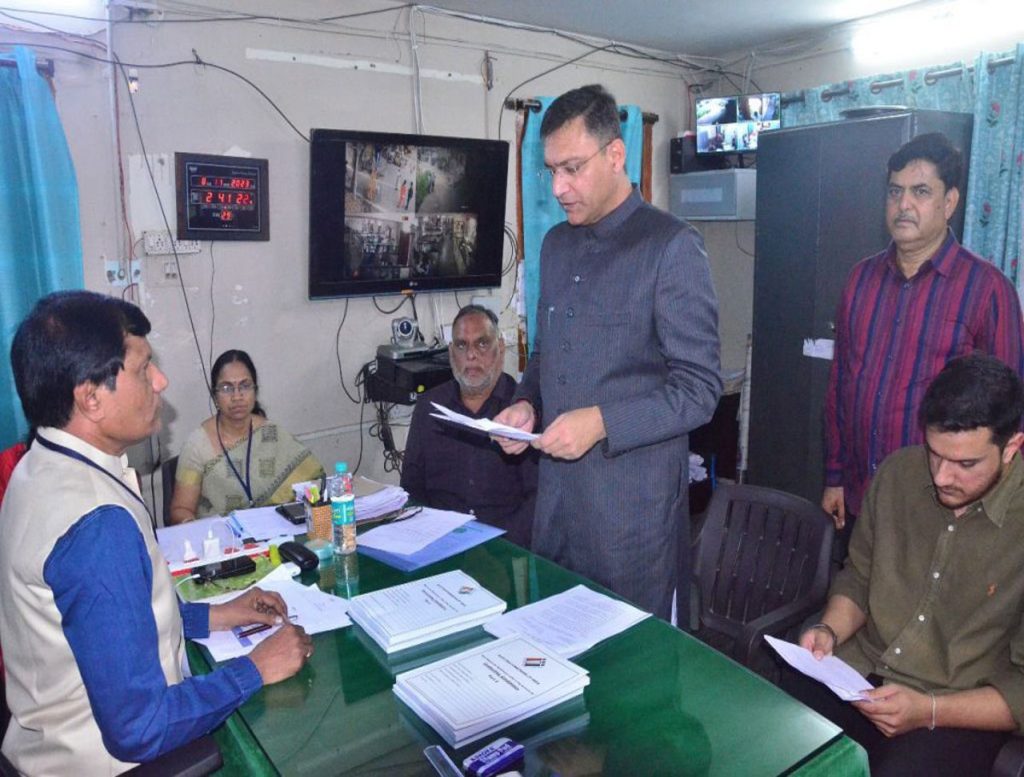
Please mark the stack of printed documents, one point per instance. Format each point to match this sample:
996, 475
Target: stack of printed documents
375, 499
410, 614
483, 690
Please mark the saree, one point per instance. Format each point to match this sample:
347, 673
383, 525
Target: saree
276, 461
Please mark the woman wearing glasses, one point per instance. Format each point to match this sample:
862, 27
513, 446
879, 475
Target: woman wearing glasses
237, 458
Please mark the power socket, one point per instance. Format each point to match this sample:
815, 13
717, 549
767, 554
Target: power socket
159, 243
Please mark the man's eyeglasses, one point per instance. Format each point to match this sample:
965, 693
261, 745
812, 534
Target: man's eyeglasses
568, 169
481, 346
230, 389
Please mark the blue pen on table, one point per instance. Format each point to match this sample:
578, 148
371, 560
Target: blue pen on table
235, 526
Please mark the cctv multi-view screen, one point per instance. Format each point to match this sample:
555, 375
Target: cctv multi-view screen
390, 213
731, 125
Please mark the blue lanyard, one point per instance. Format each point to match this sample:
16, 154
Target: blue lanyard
245, 484
56, 448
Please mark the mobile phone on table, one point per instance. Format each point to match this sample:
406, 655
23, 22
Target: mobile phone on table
293, 511
230, 567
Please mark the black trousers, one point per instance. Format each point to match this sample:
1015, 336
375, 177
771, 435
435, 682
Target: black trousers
957, 752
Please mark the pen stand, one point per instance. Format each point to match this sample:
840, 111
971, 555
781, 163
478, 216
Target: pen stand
318, 521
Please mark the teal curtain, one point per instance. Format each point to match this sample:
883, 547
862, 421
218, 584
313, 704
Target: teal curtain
541, 210
991, 92
992, 224
912, 89
40, 238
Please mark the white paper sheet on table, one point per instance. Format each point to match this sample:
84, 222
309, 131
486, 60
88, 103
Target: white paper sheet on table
262, 523
484, 425
315, 611
570, 622
413, 534
841, 678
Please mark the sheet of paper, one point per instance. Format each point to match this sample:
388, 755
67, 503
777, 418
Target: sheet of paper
570, 622
484, 425
841, 678
263, 523
821, 348
312, 609
461, 539
413, 534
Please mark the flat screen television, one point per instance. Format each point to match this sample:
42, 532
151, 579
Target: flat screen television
390, 213
730, 125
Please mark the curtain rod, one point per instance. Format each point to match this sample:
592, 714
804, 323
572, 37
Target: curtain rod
45, 67
930, 78
517, 104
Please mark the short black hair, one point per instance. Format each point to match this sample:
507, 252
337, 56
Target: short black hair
973, 392
228, 357
594, 103
70, 338
933, 147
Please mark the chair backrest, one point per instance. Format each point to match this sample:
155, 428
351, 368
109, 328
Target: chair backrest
9, 459
760, 551
167, 472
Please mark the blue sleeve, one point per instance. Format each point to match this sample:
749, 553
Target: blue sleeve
102, 580
195, 618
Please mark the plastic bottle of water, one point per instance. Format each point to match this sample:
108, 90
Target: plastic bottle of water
343, 509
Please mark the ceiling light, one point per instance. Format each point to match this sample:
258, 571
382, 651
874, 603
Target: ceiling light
929, 35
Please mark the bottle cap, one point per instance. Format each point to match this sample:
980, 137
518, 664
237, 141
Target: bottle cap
340, 467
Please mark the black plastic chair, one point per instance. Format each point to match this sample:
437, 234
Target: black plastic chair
167, 472
761, 567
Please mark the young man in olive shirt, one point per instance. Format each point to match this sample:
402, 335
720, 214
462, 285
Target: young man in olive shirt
929, 604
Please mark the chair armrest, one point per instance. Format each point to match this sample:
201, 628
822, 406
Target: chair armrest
1010, 761
194, 759
782, 618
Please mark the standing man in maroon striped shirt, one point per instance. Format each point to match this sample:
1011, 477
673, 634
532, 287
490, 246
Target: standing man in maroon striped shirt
904, 313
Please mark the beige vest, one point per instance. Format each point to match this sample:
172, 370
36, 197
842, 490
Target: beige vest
52, 730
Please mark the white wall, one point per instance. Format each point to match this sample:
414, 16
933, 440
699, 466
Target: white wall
252, 295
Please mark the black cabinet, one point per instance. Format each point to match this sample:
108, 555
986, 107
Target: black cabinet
820, 210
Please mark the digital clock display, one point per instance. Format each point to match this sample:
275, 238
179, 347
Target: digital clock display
221, 198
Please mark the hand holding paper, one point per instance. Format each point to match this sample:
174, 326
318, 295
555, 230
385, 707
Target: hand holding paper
484, 425
841, 678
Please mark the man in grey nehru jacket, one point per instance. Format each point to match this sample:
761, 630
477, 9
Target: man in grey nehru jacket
625, 364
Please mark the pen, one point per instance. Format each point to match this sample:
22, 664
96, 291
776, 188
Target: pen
406, 515
260, 628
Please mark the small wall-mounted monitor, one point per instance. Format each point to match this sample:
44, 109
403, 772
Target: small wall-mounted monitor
390, 213
731, 125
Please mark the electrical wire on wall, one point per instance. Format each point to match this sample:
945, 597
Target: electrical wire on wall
195, 13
